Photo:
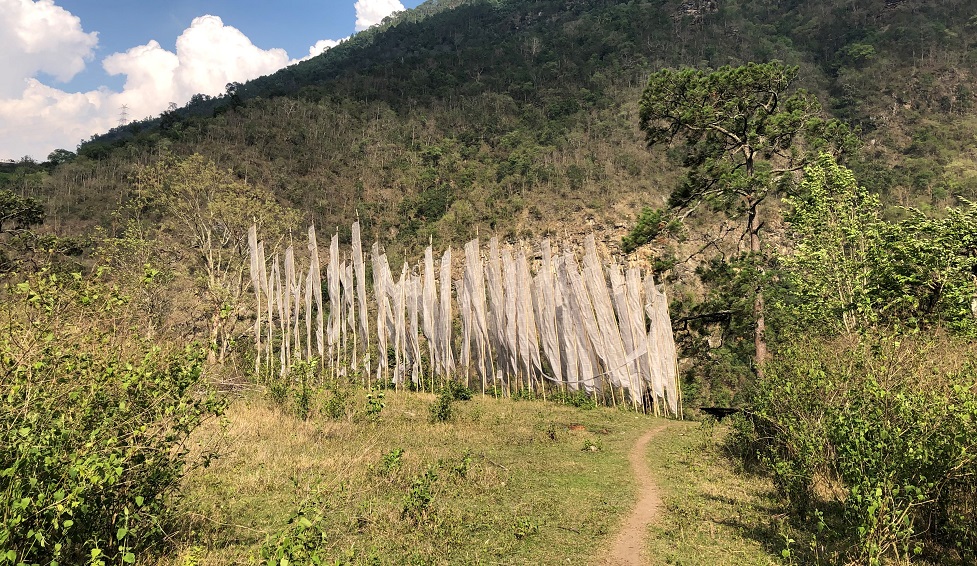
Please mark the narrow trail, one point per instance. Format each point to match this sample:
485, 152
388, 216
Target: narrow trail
627, 549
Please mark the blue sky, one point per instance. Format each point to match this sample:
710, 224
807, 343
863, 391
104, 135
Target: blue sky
71, 64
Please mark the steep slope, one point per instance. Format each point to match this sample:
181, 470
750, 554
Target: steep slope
520, 116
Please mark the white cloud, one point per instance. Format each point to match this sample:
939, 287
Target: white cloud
322, 45
371, 12
212, 55
151, 73
40, 38
209, 54
45, 118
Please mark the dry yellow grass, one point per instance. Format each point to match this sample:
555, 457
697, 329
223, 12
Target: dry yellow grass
509, 482
512, 483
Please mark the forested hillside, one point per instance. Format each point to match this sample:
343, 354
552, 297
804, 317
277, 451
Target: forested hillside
519, 117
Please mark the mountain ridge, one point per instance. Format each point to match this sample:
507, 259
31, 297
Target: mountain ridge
520, 116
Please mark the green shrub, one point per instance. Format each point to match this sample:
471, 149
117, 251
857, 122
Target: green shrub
651, 224
374, 405
442, 410
94, 424
418, 500
525, 394
459, 392
873, 438
302, 375
303, 541
525, 527
297, 392
391, 461
336, 406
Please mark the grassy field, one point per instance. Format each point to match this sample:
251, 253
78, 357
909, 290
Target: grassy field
714, 513
501, 482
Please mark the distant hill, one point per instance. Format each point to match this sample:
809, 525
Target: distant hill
520, 116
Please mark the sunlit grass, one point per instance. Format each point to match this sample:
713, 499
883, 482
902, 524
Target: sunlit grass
514, 484
713, 513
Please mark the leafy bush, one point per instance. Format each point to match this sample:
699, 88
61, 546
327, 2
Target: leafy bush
374, 405
391, 461
418, 500
442, 410
873, 438
94, 424
301, 542
850, 268
335, 406
525, 527
458, 391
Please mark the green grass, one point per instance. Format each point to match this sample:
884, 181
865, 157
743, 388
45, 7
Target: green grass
713, 512
503, 482
509, 483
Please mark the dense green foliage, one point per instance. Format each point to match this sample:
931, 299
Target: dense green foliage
867, 414
651, 225
850, 269
872, 438
743, 133
94, 423
18, 212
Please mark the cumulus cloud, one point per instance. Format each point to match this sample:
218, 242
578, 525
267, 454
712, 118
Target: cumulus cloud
371, 12
322, 45
35, 118
44, 118
212, 55
40, 38
208, 55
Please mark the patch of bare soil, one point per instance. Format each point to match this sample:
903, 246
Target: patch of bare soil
628, 545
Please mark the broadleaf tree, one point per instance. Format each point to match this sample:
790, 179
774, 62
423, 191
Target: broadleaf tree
837, 234
206, 213
18, 212
849, 269
745, 134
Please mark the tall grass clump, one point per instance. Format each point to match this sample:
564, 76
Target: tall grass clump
873, 438
94, 423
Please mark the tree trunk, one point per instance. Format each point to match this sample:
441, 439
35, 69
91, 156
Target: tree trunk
759, 334
212, 358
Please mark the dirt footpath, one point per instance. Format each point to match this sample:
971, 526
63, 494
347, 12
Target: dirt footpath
627, 548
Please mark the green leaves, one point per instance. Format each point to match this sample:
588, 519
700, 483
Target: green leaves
18, 212
850, 269
877, 427
743, 133
90, 421
651, 224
